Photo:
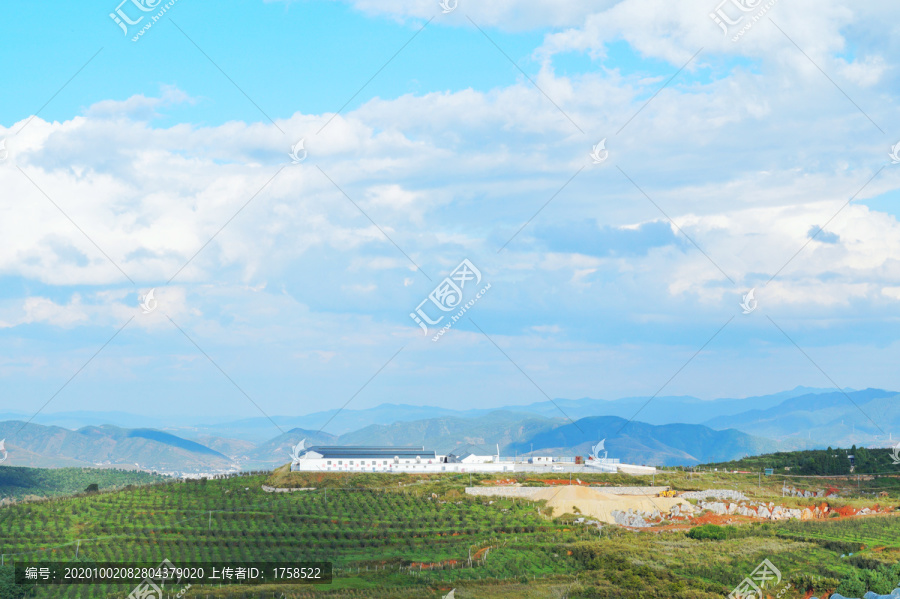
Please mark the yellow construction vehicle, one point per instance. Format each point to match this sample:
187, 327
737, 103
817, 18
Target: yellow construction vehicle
667, 493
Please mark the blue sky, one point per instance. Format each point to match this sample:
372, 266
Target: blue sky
171, 155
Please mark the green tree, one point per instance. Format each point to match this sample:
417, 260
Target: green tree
852, 586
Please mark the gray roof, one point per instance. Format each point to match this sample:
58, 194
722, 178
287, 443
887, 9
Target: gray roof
372, 452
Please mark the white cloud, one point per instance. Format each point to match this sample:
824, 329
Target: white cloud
139, 107
745, 158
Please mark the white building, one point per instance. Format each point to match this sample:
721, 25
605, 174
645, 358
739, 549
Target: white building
389, 459
372, 458
471, 458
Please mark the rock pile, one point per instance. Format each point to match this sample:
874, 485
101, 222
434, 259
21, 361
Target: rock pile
635, 518
719, 494
644, 518
767, 511
794, 492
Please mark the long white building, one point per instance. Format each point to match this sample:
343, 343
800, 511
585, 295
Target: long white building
371, 458
361, 458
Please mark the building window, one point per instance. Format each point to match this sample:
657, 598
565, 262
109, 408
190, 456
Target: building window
329, 462
340, 462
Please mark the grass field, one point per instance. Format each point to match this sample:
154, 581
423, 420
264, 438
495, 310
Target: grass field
420, 536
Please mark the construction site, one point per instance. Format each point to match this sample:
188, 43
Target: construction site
663, 506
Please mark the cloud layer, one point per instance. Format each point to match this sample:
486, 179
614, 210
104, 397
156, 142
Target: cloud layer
749, 169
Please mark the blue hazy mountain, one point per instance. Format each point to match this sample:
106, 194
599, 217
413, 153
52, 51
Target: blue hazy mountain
37, 445
665, 410
642, 443
666, 430
479, 434
519, 433
870, 416
258, 429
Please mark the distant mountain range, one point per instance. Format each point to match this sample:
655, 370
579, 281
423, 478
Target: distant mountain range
870, 416
664, 431
665, 410
444, 434
37, 445
642, 443
633, 442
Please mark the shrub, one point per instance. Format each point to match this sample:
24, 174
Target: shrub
852, 586
708, 531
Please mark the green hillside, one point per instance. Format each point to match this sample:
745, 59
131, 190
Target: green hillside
408, 536
21, 483
818, 462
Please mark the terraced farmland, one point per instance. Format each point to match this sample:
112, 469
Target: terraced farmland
869, 532
423, 539
233, 519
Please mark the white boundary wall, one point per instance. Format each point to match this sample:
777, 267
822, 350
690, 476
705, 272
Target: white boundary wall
403, 466
434, 465
527, 492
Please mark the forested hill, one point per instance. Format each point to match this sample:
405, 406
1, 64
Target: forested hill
817, 462
20, 483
